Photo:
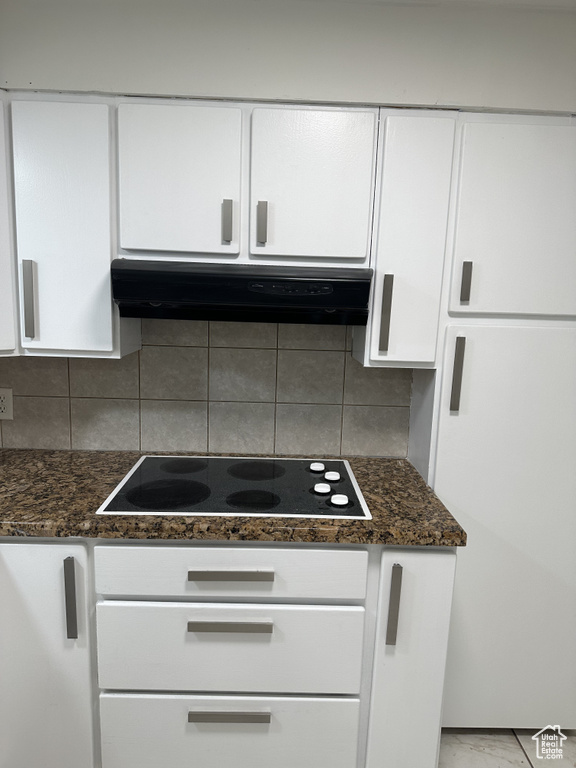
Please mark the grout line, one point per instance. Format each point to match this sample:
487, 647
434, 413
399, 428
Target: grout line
274, 436
530, 763
208, 401
343, 397
69, 402
139, 405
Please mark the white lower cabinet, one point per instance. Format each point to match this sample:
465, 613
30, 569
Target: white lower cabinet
45, 660
221, 663
271, 656
410, 658
148, 731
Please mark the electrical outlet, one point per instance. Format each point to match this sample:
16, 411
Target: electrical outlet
6, 411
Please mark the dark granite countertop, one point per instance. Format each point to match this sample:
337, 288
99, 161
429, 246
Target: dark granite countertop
56, 494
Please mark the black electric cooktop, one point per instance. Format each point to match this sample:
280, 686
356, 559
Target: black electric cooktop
234, 486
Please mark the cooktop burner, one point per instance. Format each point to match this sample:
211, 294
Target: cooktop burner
167, 494
235, 486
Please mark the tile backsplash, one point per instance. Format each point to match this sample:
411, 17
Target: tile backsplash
213, 386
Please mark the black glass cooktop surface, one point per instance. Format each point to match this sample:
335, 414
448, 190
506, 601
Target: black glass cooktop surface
236, 486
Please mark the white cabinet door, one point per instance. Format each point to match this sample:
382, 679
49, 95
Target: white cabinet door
45, 679
7, 283
180, 172
412, 634
62, 195
410, 231
153, 731
515, 222
505, 469
311, 183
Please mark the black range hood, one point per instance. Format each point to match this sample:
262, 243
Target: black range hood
247, 292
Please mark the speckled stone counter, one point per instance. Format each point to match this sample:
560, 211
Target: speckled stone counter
56, 494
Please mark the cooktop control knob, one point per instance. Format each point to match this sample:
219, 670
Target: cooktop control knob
317, 466
322, 488
339, 500
332, 477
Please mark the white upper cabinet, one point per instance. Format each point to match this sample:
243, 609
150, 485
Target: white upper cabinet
410, 238
7, 283
311, 183
515, 223
180, 178
62, 200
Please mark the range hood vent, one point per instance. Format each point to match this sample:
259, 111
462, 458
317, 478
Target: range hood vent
250, 293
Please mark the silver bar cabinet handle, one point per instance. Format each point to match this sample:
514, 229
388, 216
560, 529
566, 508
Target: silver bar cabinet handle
466, 284
394, 604
262, 222
229, 717
264, 575
28, 290
256, 627
227, 209
457, 373
386, 313
70, 598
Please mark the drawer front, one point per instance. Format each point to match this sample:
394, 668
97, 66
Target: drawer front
223, 647
175, 572
147, 731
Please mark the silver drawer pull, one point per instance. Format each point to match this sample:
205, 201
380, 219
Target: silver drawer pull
229, 717
227, 208
258, 575
394, 605
70, 598
386, 314
466, 284
457, 372
256, 627
28, 291
261, 222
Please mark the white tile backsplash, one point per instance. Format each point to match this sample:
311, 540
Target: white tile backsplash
241, 428
222, 387
183, 333
39, 422
105, 424
313, 430
105, 378
310, 376
173, 373
173, 425
35, 376
255, 335
245, 375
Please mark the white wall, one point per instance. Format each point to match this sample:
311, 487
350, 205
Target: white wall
312, 50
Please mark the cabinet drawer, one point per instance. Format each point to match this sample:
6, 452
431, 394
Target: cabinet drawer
229, 572
148, 731
224, 647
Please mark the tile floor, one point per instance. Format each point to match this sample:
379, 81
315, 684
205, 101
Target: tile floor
481, 748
